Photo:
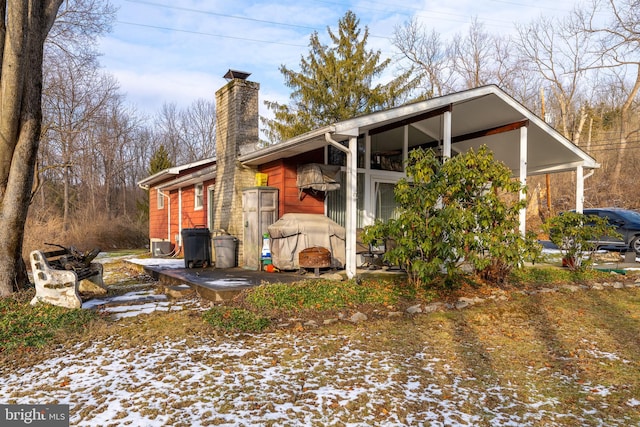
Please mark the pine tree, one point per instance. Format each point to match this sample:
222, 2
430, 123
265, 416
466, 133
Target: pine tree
159, 161
335, 83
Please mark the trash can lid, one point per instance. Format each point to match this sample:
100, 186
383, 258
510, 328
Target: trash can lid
224, 237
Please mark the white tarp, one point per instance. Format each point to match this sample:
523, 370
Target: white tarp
294, 232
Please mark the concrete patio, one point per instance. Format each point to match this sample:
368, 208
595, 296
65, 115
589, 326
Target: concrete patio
221, 284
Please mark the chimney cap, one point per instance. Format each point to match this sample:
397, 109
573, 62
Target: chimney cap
236, 74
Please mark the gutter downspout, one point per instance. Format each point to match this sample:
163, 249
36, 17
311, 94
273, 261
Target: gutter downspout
351, 196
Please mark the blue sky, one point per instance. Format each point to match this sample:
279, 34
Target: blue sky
176, 51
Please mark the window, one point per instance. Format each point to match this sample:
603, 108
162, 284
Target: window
198, 196
339, 158
386, 150
160, 199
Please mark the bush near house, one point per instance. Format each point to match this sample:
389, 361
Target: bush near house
464, 211
576, 235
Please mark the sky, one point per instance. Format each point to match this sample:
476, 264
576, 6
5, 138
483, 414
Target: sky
177, 51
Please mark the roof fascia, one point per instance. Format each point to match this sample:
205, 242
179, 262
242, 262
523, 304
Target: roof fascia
164, 174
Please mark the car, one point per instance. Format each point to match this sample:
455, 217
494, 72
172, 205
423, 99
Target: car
627, 224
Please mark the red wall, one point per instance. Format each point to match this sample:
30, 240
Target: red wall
157, 217
191, 217
283, 175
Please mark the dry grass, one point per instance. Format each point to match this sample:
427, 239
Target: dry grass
85, 231
547, 358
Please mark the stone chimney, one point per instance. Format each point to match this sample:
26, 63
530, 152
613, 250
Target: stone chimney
236, 133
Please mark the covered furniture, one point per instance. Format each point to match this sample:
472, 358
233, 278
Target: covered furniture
295, 232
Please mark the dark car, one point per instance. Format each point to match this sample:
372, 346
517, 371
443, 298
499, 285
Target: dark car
626, 222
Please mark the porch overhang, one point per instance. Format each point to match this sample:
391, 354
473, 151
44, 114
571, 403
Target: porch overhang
472, 112
454, 123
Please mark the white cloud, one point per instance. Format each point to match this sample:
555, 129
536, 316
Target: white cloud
178, 51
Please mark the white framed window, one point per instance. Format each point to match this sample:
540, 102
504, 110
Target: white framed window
160, 202
198, 201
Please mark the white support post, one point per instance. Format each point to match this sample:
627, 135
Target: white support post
523, 177
179, 235
579, 189
352, 209
351, 199
446, 136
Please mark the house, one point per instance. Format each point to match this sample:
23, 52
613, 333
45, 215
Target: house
368, 151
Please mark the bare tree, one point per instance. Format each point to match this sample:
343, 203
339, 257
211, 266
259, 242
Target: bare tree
76, 95
189, 134
23, 31
559, 55
199, 128
473, 57
427, 55
616, 43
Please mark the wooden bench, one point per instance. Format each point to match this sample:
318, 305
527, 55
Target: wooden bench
57, 276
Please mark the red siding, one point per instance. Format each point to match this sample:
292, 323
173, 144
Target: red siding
283, 174
157, 217
191, 218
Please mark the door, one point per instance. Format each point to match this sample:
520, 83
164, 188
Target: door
259, 211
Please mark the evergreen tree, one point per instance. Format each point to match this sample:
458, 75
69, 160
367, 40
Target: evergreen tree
335, 83
159, 161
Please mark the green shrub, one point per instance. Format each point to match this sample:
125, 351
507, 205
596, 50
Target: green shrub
235, 319
575, 234
23, 325
464, 211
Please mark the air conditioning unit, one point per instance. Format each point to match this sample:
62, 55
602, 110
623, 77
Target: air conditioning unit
161, 248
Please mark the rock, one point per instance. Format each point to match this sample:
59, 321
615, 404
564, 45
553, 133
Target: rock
434, 306
597, 287
358, 317
414, 309
333, 276
395, 314
330, 321
311, 323
462, 303
571, 288
178, 292
87, 287
618, 285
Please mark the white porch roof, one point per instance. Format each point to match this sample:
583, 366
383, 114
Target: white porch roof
456, 123
476, 114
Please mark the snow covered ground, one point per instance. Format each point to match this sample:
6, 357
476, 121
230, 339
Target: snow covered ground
278, 379
283, 379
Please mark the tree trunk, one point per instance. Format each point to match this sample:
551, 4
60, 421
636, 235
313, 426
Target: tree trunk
27, 25
624, 130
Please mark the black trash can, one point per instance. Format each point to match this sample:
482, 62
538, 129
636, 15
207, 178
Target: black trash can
196, 243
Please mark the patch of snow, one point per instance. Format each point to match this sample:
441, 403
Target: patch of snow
266, 379
163, 263
633, 402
